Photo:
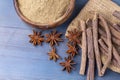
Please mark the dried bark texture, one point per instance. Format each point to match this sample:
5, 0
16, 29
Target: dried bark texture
114, 32
118, 24
116, 14
109, 44
115, 52
114, 40
114, 63
104, 48
101, 32
84, 48
103, 52
96, 47
90, 74
117, 27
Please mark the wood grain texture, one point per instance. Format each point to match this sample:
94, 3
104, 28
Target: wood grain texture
19, 60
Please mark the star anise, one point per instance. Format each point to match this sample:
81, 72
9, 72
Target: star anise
36, 38
72, 50
53, 38
53, 55
68, 64
74, 36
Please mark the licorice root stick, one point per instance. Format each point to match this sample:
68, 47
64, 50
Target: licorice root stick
102, 44
117, 27
104, 48
114, 32
103, 51
114, 40
91, 64
84, 48
115, 52
109, 44
114, 61
96, 47
116, 14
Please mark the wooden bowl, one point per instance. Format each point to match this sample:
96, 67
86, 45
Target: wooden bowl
56, 23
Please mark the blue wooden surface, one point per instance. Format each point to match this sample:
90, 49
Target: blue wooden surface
19, 60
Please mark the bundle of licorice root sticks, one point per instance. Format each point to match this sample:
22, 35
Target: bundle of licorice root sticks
100, 39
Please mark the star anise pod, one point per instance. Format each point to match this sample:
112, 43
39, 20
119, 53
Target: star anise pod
74, 36
53, 55
36, 38
72, 50
68, 64
53, 38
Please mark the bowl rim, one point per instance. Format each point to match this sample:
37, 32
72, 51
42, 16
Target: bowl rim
56, 23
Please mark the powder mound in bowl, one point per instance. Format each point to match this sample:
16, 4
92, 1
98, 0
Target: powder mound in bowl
43, 11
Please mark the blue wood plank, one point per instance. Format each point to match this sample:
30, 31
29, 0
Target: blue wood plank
19, 60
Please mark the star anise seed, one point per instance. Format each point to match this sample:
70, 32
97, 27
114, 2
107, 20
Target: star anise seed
53, 55
53, 38
68, 64
36, 38
74, 36
72, 50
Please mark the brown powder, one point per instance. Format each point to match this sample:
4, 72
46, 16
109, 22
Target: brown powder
43, 11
